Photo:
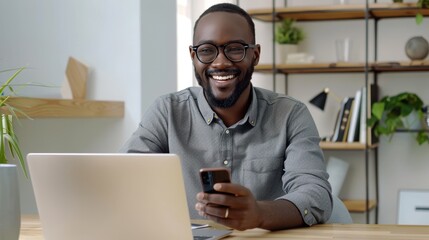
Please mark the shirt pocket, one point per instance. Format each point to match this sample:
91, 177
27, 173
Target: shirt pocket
263, 176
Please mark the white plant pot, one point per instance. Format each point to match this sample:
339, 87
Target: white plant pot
10, 213
282, 50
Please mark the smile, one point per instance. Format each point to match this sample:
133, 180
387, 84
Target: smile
223, 78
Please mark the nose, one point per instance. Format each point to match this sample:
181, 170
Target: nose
221, 61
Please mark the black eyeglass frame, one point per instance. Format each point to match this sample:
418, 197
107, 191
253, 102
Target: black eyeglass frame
245, 45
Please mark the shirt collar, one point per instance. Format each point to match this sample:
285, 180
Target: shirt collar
209, 115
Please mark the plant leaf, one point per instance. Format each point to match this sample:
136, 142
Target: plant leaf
377, 109
419, 18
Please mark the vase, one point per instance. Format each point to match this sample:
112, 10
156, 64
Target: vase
10, 213
282, 50
417, 48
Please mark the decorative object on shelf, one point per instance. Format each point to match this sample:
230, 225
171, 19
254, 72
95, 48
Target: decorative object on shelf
398, 1
417, 48
320, 102
299, 58
393, 113
287, 36
342, 49
74, 86
8, 113
341, 2
421, 4
320, 99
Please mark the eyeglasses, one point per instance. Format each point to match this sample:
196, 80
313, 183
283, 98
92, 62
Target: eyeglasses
208, 52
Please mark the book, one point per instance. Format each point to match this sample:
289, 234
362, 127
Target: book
353, 134
336, 126
338, 121
363, 117
348, 110
366, 134
343, 120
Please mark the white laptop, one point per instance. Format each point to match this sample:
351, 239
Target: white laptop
112, 196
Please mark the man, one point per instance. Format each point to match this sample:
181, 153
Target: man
267, 140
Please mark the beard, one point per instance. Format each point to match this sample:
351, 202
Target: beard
232, 99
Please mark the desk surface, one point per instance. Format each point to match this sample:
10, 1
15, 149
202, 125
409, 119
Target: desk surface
32, 230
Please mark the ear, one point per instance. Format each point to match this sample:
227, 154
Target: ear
256, 54
191, 52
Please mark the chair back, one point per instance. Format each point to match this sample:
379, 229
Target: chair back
340, 214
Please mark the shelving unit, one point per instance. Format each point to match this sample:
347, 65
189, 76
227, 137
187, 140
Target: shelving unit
364, 12
64, 108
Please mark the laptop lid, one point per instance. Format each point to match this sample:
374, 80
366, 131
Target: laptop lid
110, 196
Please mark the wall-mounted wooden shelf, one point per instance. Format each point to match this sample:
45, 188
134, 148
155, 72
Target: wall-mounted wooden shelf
311, 68
339, 12
344, 146
65, 108
359, 206
344, 67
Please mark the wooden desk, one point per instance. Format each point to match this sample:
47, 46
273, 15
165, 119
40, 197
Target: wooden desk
32, 230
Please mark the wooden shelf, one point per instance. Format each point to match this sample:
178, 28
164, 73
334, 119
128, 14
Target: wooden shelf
65, 108
339, 12
344, 67
312, 68
345, 146
359, 206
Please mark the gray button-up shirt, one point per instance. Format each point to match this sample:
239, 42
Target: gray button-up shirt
274, 150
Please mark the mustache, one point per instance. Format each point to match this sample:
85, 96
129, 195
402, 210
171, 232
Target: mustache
225, 71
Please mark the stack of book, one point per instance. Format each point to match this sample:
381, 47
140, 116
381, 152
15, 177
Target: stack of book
350, 125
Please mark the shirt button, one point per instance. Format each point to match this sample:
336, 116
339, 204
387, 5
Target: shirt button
305, 212
225, 162
227, 131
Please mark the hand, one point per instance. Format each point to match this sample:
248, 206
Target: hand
238, 209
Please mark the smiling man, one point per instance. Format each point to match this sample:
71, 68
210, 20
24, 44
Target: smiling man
268, 141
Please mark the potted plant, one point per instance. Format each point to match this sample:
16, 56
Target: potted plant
287, 36
400, 111
10, 214
7, 134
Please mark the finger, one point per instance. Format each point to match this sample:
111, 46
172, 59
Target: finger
228, 222
234, 189
202, 197
218, 211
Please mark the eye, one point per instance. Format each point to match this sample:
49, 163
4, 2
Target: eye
234, 49
206, 50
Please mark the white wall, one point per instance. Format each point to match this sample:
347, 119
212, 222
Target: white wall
118, 40
403, 164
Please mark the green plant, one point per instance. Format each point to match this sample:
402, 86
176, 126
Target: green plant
421, 4
391, 112
286, 33
8, 137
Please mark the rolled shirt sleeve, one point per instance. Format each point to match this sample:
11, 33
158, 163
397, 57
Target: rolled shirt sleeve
305, 180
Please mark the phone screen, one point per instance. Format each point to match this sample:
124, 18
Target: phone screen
211, 176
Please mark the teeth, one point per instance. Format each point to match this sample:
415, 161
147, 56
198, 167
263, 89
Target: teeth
223, 78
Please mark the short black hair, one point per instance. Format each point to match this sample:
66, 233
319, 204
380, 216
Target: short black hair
230, 8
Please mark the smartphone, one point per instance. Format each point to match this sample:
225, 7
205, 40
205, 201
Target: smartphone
211, 176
